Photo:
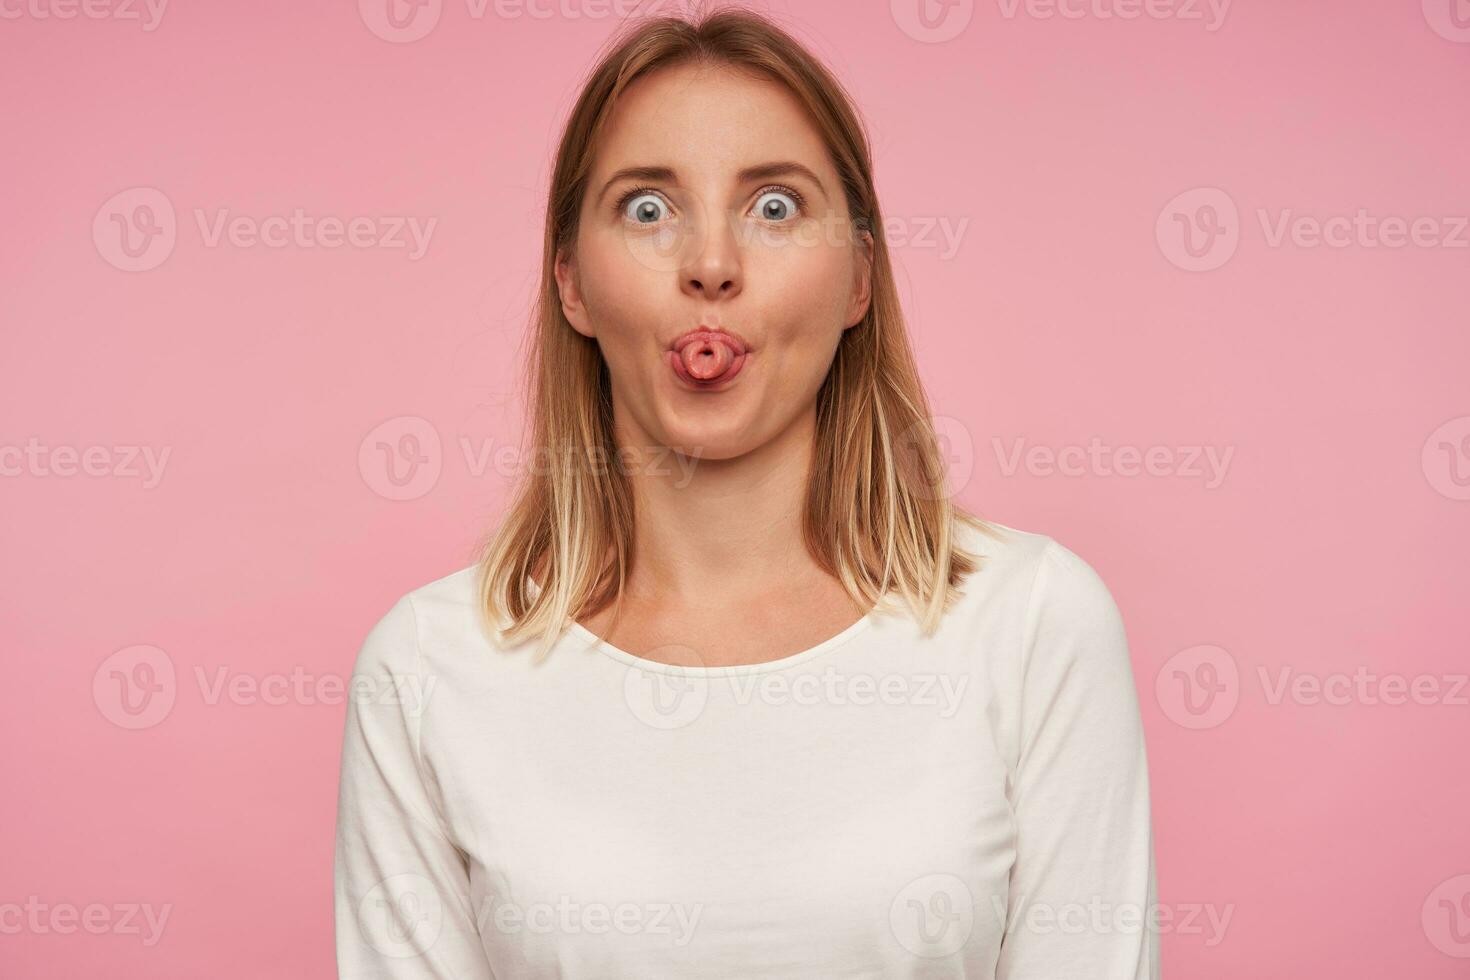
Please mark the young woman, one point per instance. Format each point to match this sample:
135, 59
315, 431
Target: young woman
735, 690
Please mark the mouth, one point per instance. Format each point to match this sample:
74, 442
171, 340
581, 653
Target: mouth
707, 358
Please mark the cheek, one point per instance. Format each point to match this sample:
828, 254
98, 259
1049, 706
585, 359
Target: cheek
805, 286
618, 289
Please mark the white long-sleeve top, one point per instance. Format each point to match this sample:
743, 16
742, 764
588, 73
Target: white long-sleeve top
883, 805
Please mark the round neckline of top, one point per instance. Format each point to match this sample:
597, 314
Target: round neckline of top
643, 663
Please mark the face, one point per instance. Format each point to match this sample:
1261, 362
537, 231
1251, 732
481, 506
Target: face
736, 222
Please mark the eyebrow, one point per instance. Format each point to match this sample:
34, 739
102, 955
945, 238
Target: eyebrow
764, 171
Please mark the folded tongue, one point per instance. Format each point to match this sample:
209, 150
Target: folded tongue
707, 359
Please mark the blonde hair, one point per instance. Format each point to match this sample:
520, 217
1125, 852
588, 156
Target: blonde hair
877, 516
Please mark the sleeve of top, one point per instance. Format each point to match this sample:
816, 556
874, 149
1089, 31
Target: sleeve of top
401, 890
1082, 888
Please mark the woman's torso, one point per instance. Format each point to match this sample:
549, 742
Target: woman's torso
842, 811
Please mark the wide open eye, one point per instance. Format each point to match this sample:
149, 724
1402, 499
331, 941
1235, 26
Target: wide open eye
644, 208
778, 205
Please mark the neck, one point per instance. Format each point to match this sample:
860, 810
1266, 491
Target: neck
724, 527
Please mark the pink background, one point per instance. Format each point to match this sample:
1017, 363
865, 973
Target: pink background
1332, 835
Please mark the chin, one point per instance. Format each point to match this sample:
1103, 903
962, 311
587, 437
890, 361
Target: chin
709, 450
723, 439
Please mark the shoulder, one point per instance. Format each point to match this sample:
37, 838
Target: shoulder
1046, 580
1067, 650
1006, 550
447, 599
445, 607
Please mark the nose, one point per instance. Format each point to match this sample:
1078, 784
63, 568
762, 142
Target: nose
713, 268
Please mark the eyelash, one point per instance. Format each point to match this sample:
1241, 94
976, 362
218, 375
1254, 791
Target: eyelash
635, 192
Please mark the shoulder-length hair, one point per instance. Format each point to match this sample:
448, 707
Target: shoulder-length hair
877, 514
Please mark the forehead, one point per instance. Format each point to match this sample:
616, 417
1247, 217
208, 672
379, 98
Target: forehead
708, 120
